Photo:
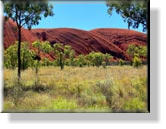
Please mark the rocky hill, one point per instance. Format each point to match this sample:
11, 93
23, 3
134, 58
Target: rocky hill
105, 40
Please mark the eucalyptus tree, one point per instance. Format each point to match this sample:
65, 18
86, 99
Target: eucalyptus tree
26, 13
134, 12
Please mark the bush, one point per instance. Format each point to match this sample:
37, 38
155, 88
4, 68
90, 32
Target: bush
46, 62
137, 61
134, 105
106, 88
121, 62
62, 104
104, 64
10, 56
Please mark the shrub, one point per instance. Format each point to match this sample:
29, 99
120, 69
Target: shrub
80, 61
121, 62
62, 104
104, 64
134, 105
46, 62
137, 61
10, 56
106, 88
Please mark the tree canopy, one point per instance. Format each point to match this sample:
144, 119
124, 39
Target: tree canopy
27, 12
134, 12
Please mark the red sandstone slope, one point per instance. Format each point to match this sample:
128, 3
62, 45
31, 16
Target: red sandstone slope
112, 41
121, 37
10, 34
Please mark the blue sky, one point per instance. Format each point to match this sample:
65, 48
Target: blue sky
86, 16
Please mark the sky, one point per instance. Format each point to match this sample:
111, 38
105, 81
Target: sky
86, 16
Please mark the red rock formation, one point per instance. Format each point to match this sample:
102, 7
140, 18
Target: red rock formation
112, 41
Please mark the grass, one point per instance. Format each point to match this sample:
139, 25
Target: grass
75, 89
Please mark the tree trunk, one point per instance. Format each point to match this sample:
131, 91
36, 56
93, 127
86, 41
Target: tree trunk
61, 61
19, 53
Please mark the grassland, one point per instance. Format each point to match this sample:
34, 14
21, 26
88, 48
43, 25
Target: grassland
75, 89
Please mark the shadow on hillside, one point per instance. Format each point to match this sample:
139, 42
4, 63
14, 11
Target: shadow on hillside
153, 116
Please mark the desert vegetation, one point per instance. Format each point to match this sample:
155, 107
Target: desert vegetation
70, 83
77, 89
65, 55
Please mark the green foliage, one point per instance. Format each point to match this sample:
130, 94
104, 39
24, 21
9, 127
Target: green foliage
121, 62
61, 104
63, 53
46, 62
27, 12
10, 56
137, 52
141, 51
107, 90
92, 59
104, 64
107, 58
97, 58
134, 105
137, 61
44, 47
133, 12
36, 65
81, 60
140, 87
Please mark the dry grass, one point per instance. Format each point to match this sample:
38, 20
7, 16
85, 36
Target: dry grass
75, 89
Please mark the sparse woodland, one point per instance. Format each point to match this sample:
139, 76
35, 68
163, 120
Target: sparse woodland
70, 83
46, 77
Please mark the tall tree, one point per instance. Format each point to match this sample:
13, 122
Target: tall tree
134, 12
26, 13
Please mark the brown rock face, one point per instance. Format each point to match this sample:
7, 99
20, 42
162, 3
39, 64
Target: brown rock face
105, 40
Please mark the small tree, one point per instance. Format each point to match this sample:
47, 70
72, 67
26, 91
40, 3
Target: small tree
44, 47
81, 60
62, 53
59, 51
137, 52
97, 58
10, 56
132, 49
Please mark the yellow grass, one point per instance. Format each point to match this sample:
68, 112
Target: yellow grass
75, 89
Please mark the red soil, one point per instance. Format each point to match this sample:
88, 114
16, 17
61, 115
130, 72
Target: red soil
112, 41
